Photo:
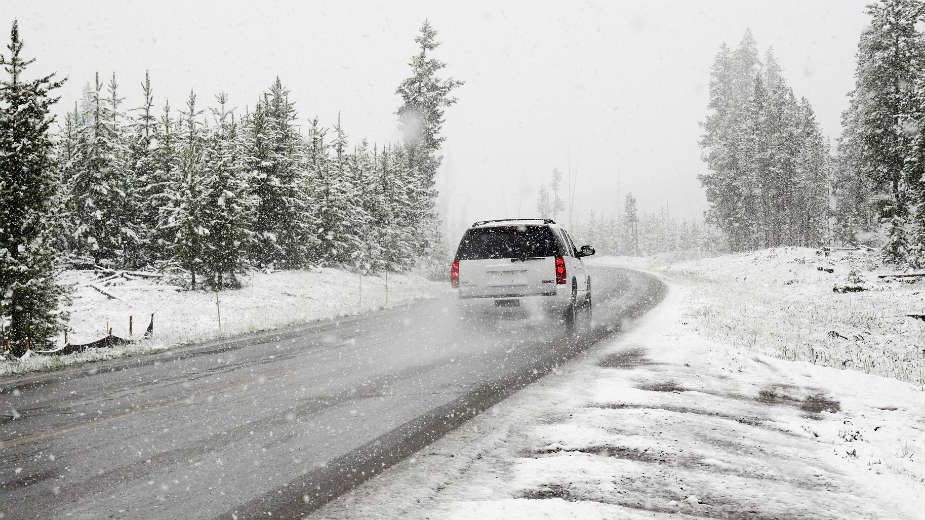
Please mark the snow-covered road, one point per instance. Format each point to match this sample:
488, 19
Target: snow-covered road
660, 423
275, 423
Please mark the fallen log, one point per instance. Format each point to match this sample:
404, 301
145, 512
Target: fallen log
143, 274
917, 316
848, 288
902, 275
105, 342
105, 293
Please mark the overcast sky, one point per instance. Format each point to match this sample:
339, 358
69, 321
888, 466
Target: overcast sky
614, 89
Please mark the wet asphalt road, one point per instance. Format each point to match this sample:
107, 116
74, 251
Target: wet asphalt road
278, 423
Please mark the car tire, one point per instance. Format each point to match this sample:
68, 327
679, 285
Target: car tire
572, 311
588, 312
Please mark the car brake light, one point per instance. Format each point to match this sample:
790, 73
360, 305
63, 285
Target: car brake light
560, 270
454, 275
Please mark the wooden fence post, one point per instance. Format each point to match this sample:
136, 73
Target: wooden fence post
129, 324
218, 309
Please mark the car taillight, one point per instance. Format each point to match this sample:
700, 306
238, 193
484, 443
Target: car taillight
454, 275
560, 270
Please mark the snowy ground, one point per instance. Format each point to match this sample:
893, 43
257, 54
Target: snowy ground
778, 302
669, 420
266, 301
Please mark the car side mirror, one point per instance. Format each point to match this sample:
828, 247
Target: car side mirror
586, 251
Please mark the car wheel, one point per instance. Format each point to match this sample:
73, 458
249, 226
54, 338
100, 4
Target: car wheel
588, 313
571, 313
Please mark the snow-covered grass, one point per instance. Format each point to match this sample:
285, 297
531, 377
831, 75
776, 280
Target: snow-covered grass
777, 302
667, 422
266, 301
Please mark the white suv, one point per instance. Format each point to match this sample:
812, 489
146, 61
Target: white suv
529, 260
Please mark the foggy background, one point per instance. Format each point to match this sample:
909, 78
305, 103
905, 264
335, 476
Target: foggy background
612, 90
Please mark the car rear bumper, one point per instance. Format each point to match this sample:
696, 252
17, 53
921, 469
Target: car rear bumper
551, 301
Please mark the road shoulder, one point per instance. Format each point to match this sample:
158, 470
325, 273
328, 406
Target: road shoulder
663, 423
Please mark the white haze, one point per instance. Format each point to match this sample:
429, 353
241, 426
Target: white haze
613, 91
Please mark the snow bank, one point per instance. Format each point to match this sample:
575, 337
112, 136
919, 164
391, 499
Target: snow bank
266, 301
781, 302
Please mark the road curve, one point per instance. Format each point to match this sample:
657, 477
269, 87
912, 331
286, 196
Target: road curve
276, 423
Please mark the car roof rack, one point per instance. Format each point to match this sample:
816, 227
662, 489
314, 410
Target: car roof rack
483, 222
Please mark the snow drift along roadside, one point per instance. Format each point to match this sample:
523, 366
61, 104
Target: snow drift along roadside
266, 301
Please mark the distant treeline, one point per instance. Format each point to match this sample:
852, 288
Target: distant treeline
632, 233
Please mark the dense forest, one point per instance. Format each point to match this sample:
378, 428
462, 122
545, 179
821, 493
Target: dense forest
203, 190
771, 178
213, 192
768, 165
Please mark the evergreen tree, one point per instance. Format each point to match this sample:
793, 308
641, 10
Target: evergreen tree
163, 189
361, 180
185, 198
30, 297
273, 161
891, 53
425, 97
66, 159
555, 188
334, 215
148, 179
227, 208
97, 185
544, 202
811, 191
631, 225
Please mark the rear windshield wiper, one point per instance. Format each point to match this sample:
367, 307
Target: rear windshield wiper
525, 258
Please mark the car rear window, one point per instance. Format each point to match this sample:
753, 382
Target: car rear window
507, 242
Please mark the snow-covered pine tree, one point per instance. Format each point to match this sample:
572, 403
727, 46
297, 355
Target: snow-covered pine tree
336, 212
890, 54
543, 202
184, 204
555, 190
854, 217
148, 183
349, 240
324, 206
752, 159
361, 180
30, 296
227, 207
812, 183
396, 239
164, 186
631, 226
66, 161
425, 97
274, 162
95, 186
726, 182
